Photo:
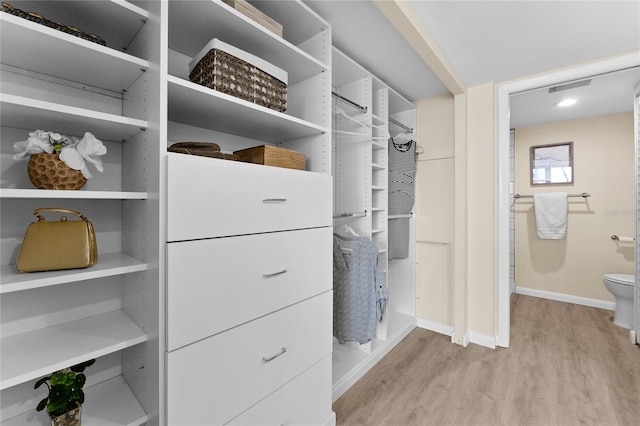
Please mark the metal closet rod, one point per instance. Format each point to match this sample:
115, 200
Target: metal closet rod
583, 195
364, 109
354, 214
350, 102
402, 126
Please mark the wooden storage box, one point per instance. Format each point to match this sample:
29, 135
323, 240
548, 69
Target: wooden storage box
225, 68
256, 15
272, 156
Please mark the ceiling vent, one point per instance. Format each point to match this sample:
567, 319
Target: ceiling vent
569, 86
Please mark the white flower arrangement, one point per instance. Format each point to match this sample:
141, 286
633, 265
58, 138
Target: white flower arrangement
74, 152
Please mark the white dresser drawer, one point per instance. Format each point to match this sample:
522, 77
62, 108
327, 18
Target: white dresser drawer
305, 400
219, 283
213, 198
214, 380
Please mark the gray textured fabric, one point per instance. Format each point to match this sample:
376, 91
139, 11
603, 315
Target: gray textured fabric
402, 172
399, 238
359, 289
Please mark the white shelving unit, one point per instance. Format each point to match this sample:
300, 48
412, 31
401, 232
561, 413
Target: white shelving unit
361, 184
52, 320
252, 212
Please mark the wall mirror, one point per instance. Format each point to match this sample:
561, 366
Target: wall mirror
552, 164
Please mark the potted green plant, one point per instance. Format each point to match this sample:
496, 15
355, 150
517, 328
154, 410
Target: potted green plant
65, 398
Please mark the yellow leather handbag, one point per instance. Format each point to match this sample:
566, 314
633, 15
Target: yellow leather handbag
56, 245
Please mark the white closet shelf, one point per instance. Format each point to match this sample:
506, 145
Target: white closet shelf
378, 145
35, 354
302, 23
377, 188
32, 114
377, 230
193, 24
377, 119
81, 194
110, 403
34, 47
109, 264
376, 166
193, 104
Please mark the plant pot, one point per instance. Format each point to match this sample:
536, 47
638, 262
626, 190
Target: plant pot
47, 171
70, 418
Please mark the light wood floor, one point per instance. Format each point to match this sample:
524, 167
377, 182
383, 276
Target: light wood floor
567, 365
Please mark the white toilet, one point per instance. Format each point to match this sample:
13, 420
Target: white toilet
621, 286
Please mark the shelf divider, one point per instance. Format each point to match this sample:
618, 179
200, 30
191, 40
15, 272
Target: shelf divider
35, 47
109, 403
35, 354
19, 112
81, 194
109, 264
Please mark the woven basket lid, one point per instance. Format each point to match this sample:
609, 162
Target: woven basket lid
205, 149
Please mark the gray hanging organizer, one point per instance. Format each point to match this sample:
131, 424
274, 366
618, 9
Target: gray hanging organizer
402, 172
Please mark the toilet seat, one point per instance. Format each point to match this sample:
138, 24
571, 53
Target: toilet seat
627, 279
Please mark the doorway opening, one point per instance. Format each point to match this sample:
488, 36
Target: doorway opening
505, 187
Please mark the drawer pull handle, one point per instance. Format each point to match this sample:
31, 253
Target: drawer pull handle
273, 274
274, 200
271, 358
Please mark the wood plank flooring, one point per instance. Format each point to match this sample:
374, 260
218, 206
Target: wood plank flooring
567, 365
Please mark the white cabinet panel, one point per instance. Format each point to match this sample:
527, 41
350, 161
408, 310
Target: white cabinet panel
216, 284
213, 198
303, 401
214, 380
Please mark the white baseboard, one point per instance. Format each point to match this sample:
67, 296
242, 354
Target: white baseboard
437, 327
482, 340
331, 421
448, 330
560, 297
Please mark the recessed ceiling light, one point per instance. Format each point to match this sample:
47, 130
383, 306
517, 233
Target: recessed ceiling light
566, 103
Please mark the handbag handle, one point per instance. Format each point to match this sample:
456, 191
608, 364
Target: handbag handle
37, 212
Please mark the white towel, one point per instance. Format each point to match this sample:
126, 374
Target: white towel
551, 215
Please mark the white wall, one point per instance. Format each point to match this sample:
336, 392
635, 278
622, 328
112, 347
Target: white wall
435, 207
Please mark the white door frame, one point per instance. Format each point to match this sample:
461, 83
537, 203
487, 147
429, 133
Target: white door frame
636, 132
503, 200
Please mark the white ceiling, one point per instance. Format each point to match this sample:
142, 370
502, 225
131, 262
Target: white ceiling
606, 94
486, 41
362, 32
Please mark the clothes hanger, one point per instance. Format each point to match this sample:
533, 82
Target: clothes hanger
342, 112
347, 230
402, 142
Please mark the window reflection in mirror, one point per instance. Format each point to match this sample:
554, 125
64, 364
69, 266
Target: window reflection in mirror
552, 164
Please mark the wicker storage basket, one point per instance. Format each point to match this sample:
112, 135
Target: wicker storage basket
32, 16
222, 67
272, 156
203, 149
256, 15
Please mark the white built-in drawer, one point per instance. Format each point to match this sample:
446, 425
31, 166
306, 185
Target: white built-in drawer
216, 379
306, 400
218, 283
212, 198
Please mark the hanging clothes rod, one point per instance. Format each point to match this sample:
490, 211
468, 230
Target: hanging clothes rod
401, 216
354, 214
583, 195
402, 126
350, 102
